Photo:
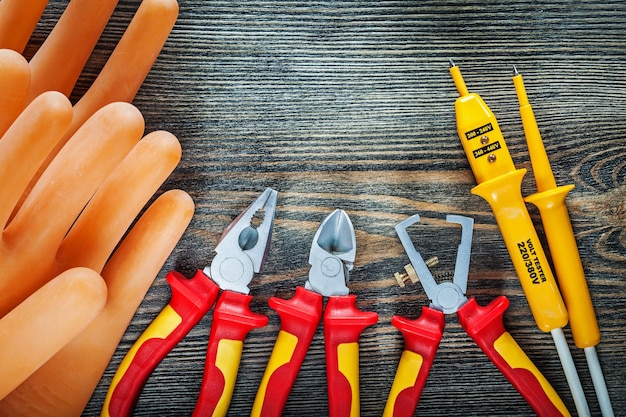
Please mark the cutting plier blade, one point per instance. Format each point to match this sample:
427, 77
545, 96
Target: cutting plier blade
332, 258
332, 255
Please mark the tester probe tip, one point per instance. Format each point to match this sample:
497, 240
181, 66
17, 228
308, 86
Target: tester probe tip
515, 72
458, 79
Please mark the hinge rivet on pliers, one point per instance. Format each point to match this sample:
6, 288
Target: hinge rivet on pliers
410, 274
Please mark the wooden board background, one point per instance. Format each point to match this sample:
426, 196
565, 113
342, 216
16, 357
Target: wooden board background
349, 104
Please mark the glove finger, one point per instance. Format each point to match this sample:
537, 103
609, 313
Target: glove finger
118, 201
37, 229
60, 60
14, 84
45, 322
137, 49
26, 145
18, 19
71, 376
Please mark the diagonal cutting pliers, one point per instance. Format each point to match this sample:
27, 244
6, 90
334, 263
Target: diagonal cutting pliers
240, 252
332, 257
483, 324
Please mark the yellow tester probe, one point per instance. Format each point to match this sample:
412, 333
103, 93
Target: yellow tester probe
499, 182
550, 200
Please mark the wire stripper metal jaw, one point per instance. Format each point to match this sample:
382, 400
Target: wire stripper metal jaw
446, 296
242, 248
332, 255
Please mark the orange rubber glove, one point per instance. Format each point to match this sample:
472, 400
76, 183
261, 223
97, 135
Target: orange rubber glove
73, 219
59, 61
73, 180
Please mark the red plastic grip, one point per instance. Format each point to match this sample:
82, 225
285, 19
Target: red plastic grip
232, 321
191, 300
299, 317
486, 328
421, 337
343, 325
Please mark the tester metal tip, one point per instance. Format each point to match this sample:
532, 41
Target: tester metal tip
515, 72
452, 64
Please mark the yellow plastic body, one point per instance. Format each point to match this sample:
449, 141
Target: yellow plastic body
480, 134
348, 365
284, 349
567, 264
162, 326
500, 184
521, 240
550, 200
515, 357
227, 361
538, 156
406, 376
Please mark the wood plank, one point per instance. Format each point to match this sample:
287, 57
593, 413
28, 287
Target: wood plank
349, 104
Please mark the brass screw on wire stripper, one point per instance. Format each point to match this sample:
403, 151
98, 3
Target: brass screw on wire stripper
410, 274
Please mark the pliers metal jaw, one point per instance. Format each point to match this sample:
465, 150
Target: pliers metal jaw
332, 258
241, 251
483, 324
446, 296
332, 255
242, 248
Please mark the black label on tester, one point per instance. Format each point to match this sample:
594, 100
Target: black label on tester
479, 131
487, 149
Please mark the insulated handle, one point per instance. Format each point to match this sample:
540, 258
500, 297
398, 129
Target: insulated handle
232, 321
486, 328
299, 319
343, 325
421, 340
191, 299
503, 193
567, 264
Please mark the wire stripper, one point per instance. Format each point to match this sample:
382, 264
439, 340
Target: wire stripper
483, 324
240, 253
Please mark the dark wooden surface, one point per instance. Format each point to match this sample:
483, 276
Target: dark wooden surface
349, 104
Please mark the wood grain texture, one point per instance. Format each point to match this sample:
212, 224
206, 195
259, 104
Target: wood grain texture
349, 104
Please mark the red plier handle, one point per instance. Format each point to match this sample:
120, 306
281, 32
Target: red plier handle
343, 325
191, 300
232, 321
421, 340
299, 317
486, 328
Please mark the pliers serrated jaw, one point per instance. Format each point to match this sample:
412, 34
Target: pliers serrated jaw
242, 248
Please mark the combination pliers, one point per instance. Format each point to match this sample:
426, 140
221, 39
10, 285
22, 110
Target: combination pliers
240, 252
